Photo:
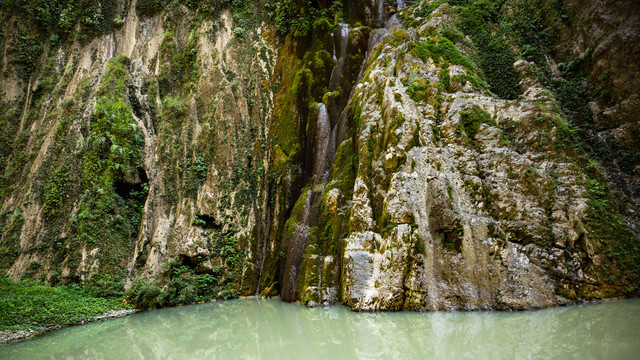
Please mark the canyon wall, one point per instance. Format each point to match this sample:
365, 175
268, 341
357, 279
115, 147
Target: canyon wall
385, 155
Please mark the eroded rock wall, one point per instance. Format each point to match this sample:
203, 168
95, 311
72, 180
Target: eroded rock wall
195, 95
605, 37
462, 200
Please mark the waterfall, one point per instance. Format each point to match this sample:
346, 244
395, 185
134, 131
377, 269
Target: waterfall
323, 131
343, 38
380, 18
400, 5
330, 130
341, 42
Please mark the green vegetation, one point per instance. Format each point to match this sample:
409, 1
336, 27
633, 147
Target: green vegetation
612, 233
298, 16
56, 190
287, 130
28, 49
185, 282
11, 222
29, 305
440, 48
101, 178
41, 22
179, 72
471, 120
206, 7
425, 8
493, 54
113, 147
196, 173
109, 189
332, 222
444, 53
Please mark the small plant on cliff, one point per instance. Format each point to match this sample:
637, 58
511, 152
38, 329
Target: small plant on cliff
470, 121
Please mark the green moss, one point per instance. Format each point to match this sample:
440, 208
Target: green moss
309, 274
179, 70
420, 93
296, 214
398, 35
470, 121
611, 233
287, 129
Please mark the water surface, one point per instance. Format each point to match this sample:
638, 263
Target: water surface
270, 329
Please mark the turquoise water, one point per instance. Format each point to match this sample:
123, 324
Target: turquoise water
270, 329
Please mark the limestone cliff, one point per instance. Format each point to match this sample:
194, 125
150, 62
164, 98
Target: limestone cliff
136, 147
388, 156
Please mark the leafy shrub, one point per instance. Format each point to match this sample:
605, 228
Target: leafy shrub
105, 286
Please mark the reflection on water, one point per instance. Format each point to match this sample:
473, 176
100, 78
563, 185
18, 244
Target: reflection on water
270, 329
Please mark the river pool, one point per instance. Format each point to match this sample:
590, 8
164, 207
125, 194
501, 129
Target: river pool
270, 329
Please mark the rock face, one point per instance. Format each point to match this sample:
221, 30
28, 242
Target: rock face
606, 36
367, 162
196, 98
461, 200
452, 217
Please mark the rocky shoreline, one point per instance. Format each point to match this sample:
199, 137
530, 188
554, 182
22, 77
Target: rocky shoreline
11, 336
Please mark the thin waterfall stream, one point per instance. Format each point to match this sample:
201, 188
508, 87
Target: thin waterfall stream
329, 133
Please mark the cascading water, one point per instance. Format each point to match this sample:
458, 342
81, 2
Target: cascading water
330, 130
341, 42
323, 131
300, 237
380, 16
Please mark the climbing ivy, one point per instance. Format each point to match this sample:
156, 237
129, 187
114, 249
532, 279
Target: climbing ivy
493, 55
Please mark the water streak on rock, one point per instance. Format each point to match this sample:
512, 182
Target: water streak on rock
323, 131
297, 246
